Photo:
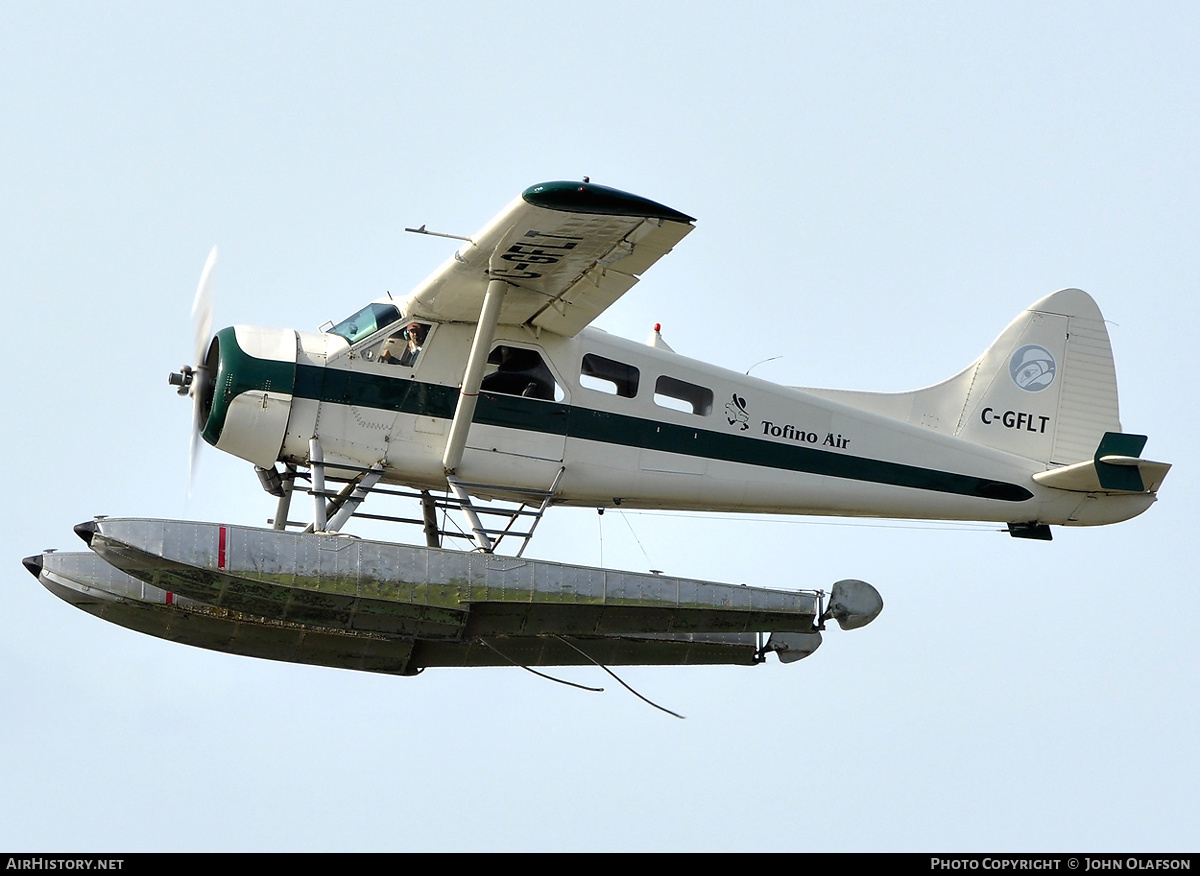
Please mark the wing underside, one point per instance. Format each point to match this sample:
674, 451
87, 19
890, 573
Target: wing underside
568, 251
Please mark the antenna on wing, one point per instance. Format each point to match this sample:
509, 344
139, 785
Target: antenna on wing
424, 230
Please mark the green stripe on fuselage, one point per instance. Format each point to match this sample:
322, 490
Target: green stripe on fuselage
366, 390
532, 415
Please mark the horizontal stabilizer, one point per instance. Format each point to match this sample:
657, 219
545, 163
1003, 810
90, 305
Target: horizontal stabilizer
1115, 468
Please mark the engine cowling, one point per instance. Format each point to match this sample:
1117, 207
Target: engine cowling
248, 399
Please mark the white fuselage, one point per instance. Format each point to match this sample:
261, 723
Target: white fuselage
690, 436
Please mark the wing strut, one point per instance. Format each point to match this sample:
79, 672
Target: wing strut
468, 394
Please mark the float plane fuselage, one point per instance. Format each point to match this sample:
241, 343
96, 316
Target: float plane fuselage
488, 373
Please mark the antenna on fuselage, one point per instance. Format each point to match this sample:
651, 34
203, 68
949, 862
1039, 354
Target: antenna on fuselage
762, 362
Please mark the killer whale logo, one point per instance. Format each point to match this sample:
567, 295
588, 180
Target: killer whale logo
1032, 368
736, 413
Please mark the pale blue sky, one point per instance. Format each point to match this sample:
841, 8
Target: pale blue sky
879, 189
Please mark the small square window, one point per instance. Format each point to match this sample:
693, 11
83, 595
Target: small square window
607, 375
678, 395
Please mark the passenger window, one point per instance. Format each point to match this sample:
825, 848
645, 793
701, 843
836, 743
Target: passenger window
681, 396
521, 372
606, 375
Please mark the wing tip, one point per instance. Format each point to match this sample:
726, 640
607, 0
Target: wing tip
586, 197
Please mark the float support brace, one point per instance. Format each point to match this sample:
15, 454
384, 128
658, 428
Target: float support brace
284, 505
350, 503
316, 461
478, 534
429, 514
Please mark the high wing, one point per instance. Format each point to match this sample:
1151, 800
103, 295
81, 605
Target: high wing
568, 251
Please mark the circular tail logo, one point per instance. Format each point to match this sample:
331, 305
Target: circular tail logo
1032, 368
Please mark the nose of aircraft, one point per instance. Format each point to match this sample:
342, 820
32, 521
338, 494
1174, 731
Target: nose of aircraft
244, 400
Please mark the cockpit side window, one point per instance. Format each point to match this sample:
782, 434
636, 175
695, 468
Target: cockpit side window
366, 322
522, 372
404, 346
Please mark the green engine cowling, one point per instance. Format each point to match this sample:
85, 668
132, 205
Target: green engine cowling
248, 397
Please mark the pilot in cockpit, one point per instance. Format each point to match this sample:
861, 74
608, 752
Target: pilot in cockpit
403, 347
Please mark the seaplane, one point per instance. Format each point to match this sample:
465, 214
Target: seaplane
485, 397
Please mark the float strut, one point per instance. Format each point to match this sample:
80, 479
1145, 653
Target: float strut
348, 504
284, 505
464, 501
316, 461
429, 513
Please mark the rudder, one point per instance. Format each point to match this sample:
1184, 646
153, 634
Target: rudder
1046, 389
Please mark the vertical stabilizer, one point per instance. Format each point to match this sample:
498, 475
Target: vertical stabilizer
1046, 389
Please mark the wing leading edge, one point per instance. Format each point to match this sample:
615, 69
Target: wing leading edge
568, 250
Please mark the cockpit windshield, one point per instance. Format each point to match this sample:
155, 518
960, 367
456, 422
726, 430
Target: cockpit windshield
366, 322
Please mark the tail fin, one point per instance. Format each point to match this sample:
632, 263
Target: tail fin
1046, 389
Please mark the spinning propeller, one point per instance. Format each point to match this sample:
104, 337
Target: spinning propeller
196, 381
